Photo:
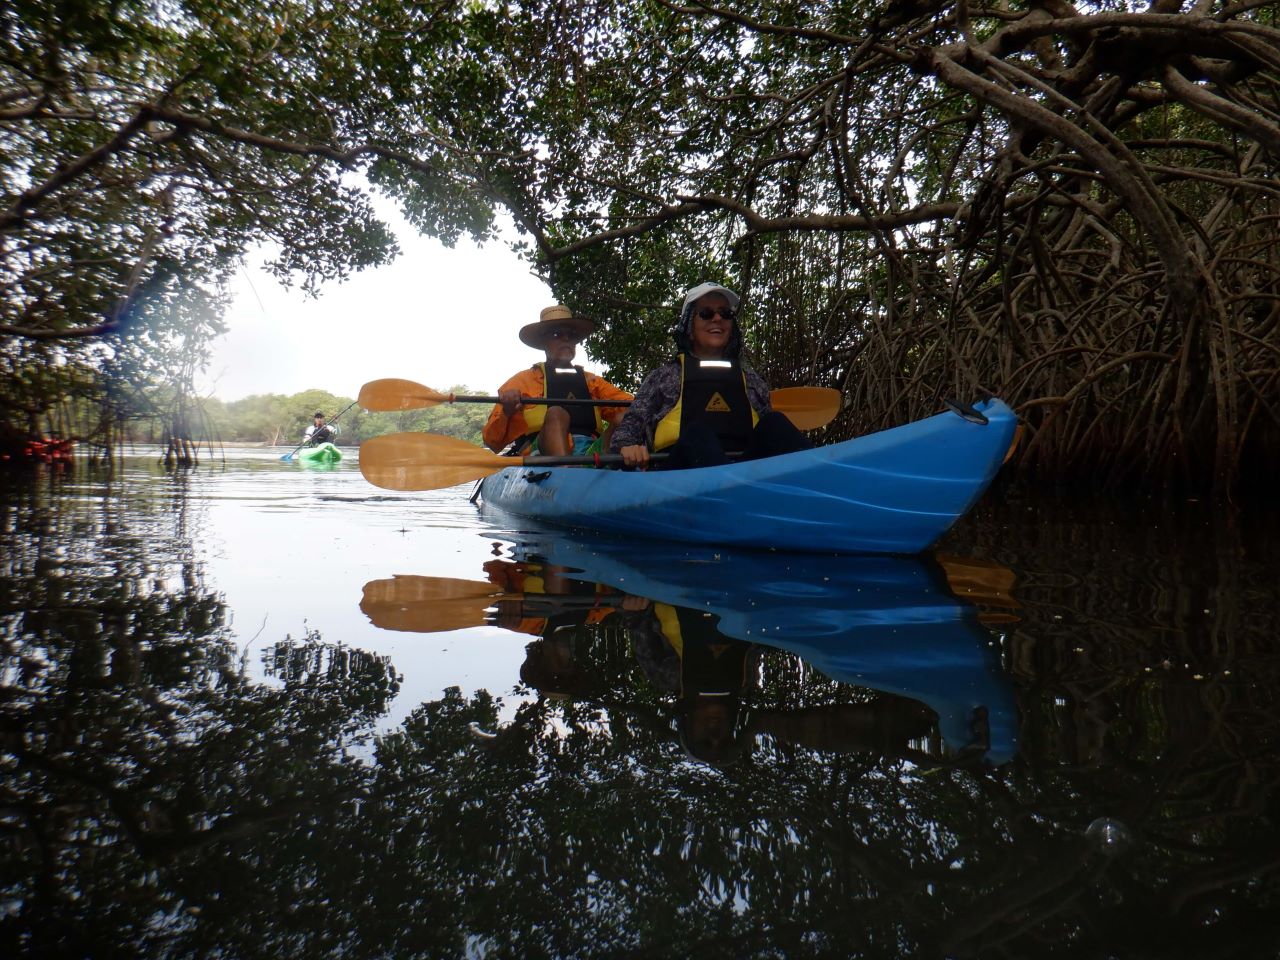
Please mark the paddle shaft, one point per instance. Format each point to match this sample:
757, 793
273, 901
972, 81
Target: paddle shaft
430, 461
807, 407
602, 459
289, 455
548, 401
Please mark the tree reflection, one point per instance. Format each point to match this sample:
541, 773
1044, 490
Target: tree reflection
137, 751
157, 800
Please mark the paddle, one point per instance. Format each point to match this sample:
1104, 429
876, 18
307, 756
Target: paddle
982, 582
428, 604
429, 461
414, 604
807, 407
289, 456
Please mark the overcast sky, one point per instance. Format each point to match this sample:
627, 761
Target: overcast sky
438, 316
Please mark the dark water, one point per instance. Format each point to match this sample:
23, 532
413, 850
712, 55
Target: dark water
255, 710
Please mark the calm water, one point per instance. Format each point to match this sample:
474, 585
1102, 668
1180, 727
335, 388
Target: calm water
261, 710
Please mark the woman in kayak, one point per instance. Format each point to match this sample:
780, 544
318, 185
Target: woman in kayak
706, 406
553, 430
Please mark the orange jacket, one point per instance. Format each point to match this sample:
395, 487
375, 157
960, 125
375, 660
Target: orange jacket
501, 430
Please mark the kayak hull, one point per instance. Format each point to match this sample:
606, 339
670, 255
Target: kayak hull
323, 453
896, 491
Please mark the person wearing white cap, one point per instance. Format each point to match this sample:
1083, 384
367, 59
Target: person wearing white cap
706, 405
547, 429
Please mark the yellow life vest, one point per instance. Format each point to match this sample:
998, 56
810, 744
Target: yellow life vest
565, 383
711, 390
710, 662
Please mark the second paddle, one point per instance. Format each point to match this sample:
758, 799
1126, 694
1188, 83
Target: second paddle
807, 407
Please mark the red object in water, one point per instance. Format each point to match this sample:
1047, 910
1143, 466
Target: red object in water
48, 450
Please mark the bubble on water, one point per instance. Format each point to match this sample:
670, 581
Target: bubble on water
1108, 837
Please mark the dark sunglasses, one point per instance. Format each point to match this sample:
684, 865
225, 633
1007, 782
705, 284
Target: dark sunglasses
562, 335
706, 313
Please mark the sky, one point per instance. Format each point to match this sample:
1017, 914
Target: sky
438, 316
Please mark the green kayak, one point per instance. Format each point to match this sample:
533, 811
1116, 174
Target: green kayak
324, 453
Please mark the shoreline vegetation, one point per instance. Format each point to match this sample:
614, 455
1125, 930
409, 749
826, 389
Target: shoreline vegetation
208, 426
276, 420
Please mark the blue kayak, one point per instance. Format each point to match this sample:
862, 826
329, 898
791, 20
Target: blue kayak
885, 623
896, 491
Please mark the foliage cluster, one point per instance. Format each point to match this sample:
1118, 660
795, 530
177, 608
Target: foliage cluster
1070, 205
119, 225
1073, 206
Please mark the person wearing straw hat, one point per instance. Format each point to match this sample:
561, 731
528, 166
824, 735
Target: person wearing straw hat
549, 429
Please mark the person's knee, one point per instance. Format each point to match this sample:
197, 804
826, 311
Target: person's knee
553, 439
782, 425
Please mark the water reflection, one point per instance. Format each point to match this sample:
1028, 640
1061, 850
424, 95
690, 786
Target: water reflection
140, 760
169, 790
707, 628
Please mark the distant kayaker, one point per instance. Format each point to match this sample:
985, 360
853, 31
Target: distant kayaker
706, 404
553, 430
320, 432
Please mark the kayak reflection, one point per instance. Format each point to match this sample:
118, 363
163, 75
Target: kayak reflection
891, 624
698, 620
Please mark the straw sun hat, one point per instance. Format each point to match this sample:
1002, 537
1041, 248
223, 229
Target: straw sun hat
558, 317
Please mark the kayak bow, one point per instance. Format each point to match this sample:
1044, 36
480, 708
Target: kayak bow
321, 453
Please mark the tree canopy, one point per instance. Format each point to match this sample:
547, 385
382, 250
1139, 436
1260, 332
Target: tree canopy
1072, 206
1069, 205
119, 221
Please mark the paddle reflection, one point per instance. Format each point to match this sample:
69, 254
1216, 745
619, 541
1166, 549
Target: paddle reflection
740, 644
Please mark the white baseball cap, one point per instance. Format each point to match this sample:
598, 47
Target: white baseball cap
702, 289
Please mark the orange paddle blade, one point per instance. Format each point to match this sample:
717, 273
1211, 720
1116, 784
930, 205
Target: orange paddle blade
807, 407
393, 394
428, 604
426, 461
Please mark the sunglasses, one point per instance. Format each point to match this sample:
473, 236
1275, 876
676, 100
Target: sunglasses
562, 335
706, 313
